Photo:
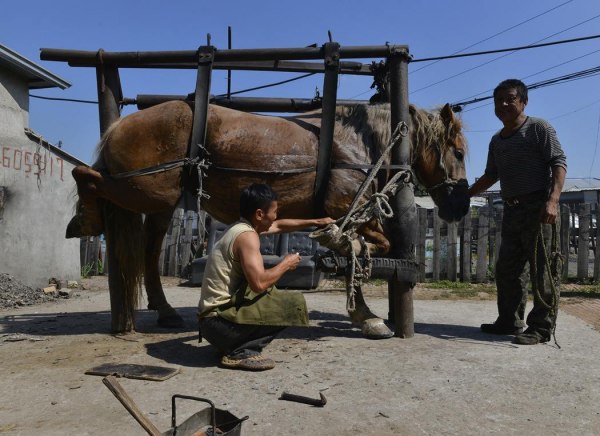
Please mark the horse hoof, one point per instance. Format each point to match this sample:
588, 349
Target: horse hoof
171, 322
375, 329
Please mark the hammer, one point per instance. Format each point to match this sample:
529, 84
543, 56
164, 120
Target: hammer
305, 400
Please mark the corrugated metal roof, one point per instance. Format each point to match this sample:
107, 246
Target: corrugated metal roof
575, 184
37, 76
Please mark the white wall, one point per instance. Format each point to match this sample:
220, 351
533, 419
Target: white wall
38, 197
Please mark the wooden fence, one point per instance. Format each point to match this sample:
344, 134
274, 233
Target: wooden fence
468, 250
465, 251
181, 244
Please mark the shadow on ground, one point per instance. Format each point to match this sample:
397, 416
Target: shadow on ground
82, 323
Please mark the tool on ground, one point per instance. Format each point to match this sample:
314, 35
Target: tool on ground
305, 400
208, 422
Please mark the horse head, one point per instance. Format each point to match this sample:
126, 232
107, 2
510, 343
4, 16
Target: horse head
439, 160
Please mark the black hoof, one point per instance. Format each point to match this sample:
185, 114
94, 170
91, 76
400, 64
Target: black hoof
171, 322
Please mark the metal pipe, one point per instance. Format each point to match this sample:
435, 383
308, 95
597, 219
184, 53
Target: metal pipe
346, 67
127, 59
403, 224
229, 69
245, 104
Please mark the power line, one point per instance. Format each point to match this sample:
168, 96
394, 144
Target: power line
508, 54
595, 147
549, 119
63, 99
539, 72
497, 34
591, 72
523, 47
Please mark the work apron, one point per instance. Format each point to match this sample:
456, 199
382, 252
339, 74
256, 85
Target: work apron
271, 307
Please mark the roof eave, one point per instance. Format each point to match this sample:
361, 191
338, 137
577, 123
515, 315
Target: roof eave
43, 77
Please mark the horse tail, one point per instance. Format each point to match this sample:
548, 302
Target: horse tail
125, 240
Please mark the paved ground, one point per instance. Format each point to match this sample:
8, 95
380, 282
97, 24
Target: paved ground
450, 379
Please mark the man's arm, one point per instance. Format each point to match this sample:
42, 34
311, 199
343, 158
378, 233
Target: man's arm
481, 185
293, 225
246, 249
550, 211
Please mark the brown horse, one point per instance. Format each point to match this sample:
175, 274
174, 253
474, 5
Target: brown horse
244, 149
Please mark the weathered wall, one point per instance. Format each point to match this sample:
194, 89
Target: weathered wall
37, 199
14, 104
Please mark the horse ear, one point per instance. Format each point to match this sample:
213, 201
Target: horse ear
447, 114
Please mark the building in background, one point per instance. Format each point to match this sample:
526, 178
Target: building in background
36, 187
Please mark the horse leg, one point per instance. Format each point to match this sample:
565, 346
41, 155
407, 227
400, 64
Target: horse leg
371, 326
155, 229
377, 243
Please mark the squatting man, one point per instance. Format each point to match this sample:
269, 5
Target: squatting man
240, 310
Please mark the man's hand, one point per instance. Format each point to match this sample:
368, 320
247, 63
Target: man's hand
324, 221
549, 212
291, 261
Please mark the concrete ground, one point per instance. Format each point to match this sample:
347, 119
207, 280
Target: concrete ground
450, 379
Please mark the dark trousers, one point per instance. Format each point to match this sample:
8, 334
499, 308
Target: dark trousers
237, 340
520, 226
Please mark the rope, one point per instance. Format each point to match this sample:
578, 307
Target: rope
553, 264
343, 237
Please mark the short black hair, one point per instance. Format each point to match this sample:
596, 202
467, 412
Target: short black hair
515, 84
254, 197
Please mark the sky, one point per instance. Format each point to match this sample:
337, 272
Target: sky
429, 28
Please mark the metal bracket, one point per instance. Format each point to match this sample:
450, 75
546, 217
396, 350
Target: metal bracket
201, 100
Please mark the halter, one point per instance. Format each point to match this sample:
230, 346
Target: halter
447, 182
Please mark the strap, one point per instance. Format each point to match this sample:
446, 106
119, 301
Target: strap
368, 167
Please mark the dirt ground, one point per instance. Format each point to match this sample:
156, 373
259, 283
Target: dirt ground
450, 379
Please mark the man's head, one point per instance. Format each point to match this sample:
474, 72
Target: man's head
258, 205
510, 99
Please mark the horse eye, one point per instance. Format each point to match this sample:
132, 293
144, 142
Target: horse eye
459, 154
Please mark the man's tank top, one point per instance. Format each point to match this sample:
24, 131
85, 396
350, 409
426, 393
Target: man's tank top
223, 273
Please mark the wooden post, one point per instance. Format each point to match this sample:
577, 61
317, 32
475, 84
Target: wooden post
444, 250
202, 233
482, 247
402, 228
452, 232
96, 249
422, 231
465, 249
596, 249
174, 242
161, 258
498, 240
565, 241
186, 248
492, 232
436, 245
583, 251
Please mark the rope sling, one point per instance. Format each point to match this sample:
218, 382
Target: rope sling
342, 236
553, 263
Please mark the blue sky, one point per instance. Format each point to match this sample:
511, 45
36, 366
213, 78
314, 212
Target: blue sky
430, 28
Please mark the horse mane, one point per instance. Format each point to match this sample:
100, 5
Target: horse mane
99, 164
371, 124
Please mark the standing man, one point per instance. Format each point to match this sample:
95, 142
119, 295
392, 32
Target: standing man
531, 165
240, 310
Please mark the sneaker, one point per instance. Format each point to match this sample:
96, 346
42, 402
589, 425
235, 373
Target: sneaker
530, 337
254, 363
497, 329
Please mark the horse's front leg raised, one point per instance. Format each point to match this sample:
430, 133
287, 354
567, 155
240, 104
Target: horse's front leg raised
371, 325
155, 228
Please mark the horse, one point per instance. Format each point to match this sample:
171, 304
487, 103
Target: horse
243, 149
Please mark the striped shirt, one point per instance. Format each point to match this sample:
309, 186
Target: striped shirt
523, 161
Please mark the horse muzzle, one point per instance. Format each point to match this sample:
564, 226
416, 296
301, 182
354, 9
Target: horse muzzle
453, 204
